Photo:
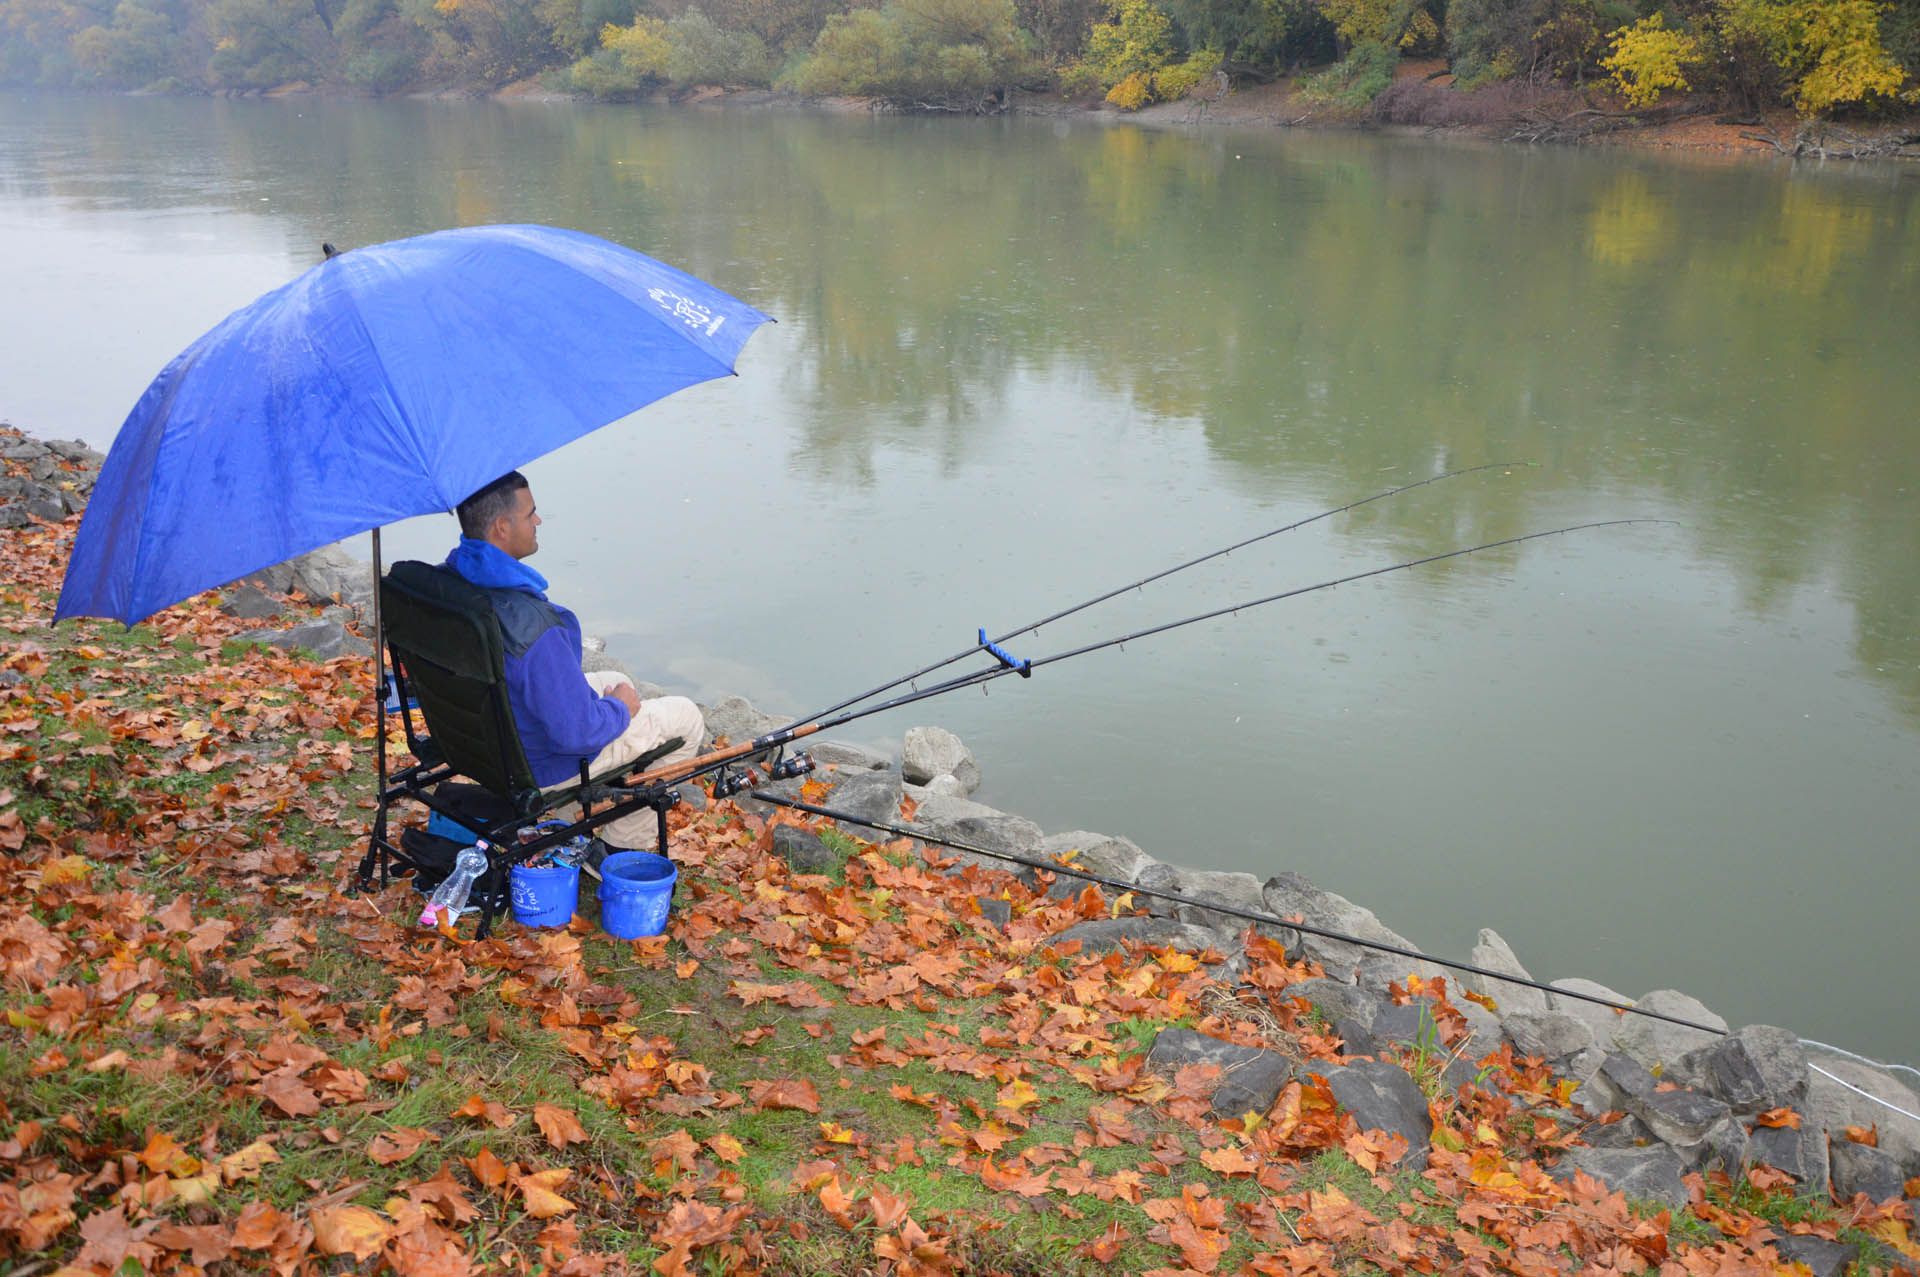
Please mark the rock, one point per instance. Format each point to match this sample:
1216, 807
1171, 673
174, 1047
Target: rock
1759, 1068
1604, 1021
593, 660
14, 515
871, 795
327, 640
1646, 1174
694, 797
1239, 891
980, 826
1834, 1107
1858, 1168
1378, 970
1628, 1132
1656, 1042
43, 502
946, 787
1109, 857
42, 468
1382, 1097
803, 850
995, 910
1619, 1081
1822, 1257
1483, 1028
1104, 935
1286, 895
1550, 1035
330, 573
1250, 1078
735, 718
928, 752
1681, 1118
846, 757
1800, 1153
23, 449
251, 603
1348, 1010
75, 450
1495, 954
1406, 1024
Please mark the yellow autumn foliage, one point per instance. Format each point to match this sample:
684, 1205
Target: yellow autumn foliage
1831, 49
1648, 59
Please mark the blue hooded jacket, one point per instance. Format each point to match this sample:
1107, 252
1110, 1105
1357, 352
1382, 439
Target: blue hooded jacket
562, 720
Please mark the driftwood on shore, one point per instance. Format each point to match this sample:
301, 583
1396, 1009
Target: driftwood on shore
1823, 141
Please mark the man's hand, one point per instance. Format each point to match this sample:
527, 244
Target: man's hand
624, 693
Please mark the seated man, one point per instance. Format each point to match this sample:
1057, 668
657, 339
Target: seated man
563, 715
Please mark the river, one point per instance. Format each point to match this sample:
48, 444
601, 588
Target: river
1021, 361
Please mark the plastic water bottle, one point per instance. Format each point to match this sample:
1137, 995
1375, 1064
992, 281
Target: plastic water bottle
450, 897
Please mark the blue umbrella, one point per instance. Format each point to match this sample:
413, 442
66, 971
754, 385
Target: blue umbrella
387, 382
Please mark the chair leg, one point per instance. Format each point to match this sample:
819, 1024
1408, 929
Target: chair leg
376, 852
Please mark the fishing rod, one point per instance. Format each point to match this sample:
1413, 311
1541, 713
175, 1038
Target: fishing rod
984, 644
1232, 911
676, 773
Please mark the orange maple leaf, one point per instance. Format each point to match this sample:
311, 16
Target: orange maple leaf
784, 1093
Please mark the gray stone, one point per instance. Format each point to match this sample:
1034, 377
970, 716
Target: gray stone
42, 468
43, 502
1681, 1118
946, 787
1382, 1097
1858, 1168
595, 660
1287, 895
1550, 1035
1348, 1010
1822, 1257
978, 825
1104, 935
848, 757
1834, 1107
929, 752
1483, 1032
23, 449
75, 450
1604, 1021
1405, 1023
1239, 891
1378, 970
1723, 1148
327, 640
1759, 1068
1656, 1043
73, 498
1101, 854
330, 573
1493, 953
14, 515
735, 718
1645, 1174
873, 795
1628, 1132
1250, 1078
803, 850
1619, 1081
1800, 1153
251, 603
997, 911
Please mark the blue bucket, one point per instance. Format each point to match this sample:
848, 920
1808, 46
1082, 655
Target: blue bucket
636, 888
544, 896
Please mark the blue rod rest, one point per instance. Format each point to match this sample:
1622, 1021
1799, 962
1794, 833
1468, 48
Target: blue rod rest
1020, 666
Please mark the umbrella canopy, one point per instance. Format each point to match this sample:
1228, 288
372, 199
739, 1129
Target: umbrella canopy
387, 382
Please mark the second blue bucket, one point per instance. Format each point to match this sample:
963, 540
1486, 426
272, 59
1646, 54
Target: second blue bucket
636, 888
544, 896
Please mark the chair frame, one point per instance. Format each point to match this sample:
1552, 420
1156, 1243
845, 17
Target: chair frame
442, 753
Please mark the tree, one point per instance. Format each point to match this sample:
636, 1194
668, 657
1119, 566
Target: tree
262, 44
143, 44
1649, 58
1830, 50
955, 53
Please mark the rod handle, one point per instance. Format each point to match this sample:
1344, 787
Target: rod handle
1020, 666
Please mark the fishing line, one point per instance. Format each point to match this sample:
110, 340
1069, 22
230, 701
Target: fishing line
1033, 627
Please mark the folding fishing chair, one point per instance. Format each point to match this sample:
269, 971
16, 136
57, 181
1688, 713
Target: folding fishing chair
449, 662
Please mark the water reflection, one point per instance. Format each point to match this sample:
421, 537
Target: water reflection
1080, 334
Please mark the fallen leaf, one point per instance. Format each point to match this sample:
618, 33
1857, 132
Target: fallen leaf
559, 1125
398, 1144
539, 1191
349, 1230
784, 1093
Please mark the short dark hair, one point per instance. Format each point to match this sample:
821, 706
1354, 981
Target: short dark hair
478, 511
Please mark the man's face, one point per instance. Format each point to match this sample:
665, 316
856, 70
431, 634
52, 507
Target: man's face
517, 533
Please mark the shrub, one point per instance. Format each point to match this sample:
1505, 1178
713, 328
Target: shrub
1829, 49
629, 59
1133, 92
1356, 79
1175, 82
1649, 58
699, 52
957, 52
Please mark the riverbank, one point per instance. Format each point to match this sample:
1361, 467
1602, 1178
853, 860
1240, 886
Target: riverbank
845, 1055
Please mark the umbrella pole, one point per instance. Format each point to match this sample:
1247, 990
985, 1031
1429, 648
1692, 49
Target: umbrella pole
380, 723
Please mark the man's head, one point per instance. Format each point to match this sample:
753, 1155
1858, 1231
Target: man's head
502, 515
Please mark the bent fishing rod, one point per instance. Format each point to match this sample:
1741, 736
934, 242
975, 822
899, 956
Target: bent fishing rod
676, 773
985, 644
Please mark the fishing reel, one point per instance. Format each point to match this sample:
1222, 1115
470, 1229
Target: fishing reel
785, 768
728, 781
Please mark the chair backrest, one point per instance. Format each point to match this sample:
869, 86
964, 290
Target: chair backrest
443, 631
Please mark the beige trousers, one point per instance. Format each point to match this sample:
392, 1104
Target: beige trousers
659, 719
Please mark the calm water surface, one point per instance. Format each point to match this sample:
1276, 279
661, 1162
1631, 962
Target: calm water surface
1019, 362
